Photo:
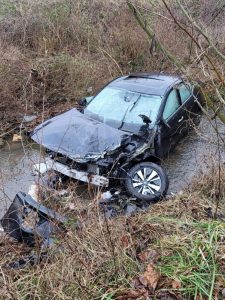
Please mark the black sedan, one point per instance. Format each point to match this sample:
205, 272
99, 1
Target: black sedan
122, 133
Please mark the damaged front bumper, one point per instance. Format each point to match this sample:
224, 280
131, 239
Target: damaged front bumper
52, 165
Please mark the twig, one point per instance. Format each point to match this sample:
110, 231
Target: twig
8, 132
199, 29
151, 34
220, 77
112, 245
172, 58
219, 172
113, 59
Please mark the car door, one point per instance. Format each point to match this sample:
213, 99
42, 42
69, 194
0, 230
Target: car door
171, 125
189, 105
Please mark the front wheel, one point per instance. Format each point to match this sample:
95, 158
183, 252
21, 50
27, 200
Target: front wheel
147, 181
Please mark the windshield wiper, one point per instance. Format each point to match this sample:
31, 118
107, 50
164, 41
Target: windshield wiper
129, 109
135, 102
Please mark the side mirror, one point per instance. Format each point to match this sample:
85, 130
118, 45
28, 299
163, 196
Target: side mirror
82, 102
145, 119
85, 101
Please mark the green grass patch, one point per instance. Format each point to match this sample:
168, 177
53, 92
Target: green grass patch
192, 259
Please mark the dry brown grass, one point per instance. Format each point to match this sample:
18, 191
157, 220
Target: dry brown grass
75, 45
99, 258
72, 46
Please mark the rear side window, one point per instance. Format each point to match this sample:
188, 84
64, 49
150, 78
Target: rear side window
185, 91
171, 106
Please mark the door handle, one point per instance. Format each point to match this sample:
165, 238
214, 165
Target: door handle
181, 119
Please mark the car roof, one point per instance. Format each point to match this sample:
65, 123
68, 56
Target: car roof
147, 83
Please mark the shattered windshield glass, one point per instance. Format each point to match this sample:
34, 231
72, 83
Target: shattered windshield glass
121, 108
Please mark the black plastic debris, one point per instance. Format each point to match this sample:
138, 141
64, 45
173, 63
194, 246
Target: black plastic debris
44, 222
115, 203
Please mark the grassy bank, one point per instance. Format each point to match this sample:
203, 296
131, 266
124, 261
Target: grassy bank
51, 54
175, 250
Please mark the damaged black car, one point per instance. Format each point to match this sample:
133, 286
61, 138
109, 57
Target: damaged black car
122, 133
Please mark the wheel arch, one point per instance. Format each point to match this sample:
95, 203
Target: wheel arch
151, 158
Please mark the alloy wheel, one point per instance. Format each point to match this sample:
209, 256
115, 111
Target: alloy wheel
146, 181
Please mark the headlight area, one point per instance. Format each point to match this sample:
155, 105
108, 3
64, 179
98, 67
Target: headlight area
112, 164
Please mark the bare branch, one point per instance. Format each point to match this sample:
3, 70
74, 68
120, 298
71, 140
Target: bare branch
200, 30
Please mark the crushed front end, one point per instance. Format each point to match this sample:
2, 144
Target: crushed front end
88, 150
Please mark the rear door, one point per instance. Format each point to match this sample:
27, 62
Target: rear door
170, 129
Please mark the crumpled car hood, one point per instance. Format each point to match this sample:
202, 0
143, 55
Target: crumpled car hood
78, 136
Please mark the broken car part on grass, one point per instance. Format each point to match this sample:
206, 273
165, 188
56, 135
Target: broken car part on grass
29, 222
122, 133
114, 203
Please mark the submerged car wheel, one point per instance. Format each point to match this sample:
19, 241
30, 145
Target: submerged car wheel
147, 181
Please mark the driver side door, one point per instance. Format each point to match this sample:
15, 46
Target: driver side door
171, 125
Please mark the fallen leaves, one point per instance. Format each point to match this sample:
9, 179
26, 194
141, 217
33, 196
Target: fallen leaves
125, 241
148, 255
17, 138
150, 277
176, 284
133, 294
143, 285
150, 283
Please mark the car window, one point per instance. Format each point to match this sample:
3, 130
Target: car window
171, 106
185, 91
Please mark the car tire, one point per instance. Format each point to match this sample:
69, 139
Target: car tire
147, 181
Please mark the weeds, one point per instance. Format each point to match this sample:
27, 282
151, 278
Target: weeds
75, 45
100, 259
66, 43
56, 51
192, 260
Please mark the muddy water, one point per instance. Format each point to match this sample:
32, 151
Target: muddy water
194, 153
16, 162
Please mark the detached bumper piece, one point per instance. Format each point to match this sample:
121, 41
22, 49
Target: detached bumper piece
29, 222
50, 164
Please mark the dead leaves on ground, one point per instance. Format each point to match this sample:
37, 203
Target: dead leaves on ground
150, 277
148, 256
143, 285
125, 241
176, 284
149, 284
133, 294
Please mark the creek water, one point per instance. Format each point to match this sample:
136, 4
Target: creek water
16, 162
194, 153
